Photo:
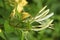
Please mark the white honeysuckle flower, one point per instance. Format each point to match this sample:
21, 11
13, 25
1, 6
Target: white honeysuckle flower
40, 14
42, 10
45, 26
41, 22
43, 14
42, 17
48, 16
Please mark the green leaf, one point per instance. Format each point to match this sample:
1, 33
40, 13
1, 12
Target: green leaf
1, 21
2, 34
1, 3
7, 27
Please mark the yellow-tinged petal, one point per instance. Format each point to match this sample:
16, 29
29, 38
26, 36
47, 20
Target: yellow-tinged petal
25, 15
13, 13
17, 1
19, 8
23, 2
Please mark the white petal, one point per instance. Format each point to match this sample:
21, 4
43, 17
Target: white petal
44, 13
42, 9
45, 26
48, 16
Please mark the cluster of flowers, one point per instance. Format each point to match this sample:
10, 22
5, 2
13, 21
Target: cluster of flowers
20, 6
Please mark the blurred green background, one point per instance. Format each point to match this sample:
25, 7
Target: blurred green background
33, 6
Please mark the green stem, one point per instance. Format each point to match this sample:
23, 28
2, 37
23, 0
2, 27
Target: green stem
22, 38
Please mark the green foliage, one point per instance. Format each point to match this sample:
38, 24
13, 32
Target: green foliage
15, 29
33, 6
